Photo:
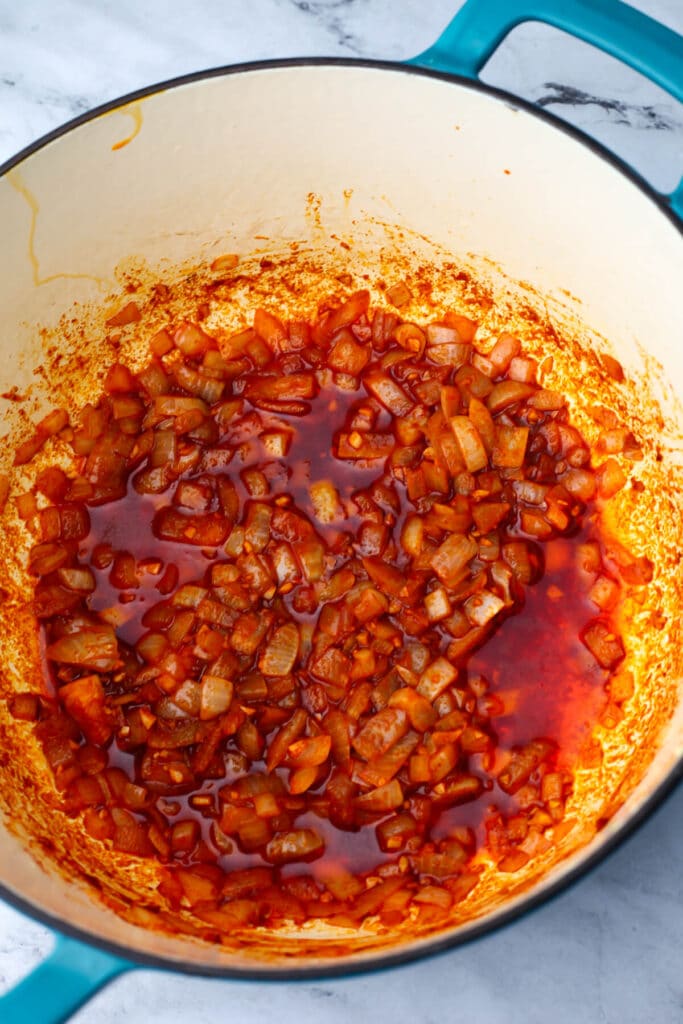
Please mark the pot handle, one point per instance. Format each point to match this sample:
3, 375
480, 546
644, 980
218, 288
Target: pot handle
72, 973
480, 26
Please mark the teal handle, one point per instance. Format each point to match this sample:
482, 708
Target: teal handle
480, 26
72, 973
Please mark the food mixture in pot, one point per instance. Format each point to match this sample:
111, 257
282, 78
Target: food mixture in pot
327, 611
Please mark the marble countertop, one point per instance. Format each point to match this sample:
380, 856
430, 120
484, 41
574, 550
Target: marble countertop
609, 950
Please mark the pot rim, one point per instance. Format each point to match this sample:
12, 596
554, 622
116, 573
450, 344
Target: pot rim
477, 929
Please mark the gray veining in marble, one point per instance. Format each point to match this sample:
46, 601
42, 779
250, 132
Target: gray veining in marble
609, 951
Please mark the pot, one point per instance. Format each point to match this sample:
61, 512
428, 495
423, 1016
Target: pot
408, 165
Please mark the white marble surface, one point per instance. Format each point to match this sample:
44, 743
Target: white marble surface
611, 949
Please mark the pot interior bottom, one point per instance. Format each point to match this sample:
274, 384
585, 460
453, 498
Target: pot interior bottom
117, 895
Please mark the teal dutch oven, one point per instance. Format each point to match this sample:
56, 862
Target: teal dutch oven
235, 153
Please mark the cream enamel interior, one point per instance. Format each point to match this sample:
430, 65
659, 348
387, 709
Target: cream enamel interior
385, 160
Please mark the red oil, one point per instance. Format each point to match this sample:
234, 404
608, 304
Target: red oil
126, 524
550, 684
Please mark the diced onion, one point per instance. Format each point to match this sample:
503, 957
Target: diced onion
261, 568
